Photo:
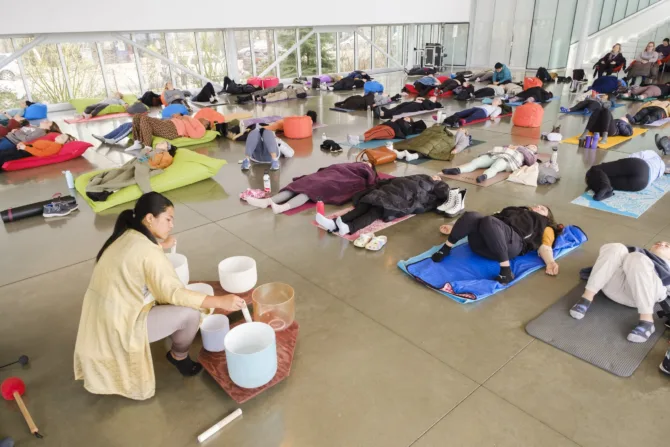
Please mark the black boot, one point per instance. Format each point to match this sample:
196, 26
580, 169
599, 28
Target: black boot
663, 144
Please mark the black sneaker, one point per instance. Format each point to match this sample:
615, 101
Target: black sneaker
59, 209
665, 364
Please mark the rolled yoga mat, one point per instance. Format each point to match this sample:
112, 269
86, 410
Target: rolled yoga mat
30, 210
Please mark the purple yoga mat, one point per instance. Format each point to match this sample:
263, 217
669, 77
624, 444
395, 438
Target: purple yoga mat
262, 119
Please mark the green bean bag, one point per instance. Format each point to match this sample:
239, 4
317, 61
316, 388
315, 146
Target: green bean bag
210, 135
188, 167
80, 104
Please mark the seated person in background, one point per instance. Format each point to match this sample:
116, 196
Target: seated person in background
172, 95
95, 109
262, 146
603, 122
419, 104
533, 94
633, 173
501, 74
233, 88
395, 129
475, 113
590, 104
425, 84
645, 65
663, 49
39, 148
15, 122
609, 62
334, 185
27, 133
364, 102
145, 128
207, 94
388, 200
512, 232
278, 126
631, 276
291, 92
500, 159
347, 84
648, 91
650, 112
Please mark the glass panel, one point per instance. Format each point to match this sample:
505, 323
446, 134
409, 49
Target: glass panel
541, 33
346, 52
642, 4
619, 10
364, 49
456, 51
83, 70
606, 15
482, 35
44, 74
308, 53
288, 68
243, 54
155, 73
577, 26
381, 40
560, 44
397, 43
264, 50
120, 67
523, 24
595, 16
435, 33
12, 91
182, 51
631, 8
213, 53
328, 53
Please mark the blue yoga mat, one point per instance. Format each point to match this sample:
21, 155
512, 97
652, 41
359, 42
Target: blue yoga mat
582, 112
466, 273
515, 104
340, 109
631, 204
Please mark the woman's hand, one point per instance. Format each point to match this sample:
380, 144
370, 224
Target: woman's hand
168, 243
231, 303
552, 269
21, 146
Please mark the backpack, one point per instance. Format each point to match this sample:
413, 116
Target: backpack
578, 74
543, 75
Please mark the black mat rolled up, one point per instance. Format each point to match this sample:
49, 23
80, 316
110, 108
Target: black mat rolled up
30, 210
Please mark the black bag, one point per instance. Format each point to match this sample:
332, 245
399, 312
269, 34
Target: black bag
316, 83
578, 74
543, 75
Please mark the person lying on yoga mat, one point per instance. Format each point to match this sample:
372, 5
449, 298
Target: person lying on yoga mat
436, 143
501, 74
490, 91
631, 276
425, 84
171, 95
13, 122
389, 200
358, 74
334, 185
417, 105
648, 91
364, 102
399, 128
291, 92
500, 159
145, 128
136, 298
207, 94
603, 122
512, 232
633, 173
450, 84
27, 133
475, 113
610, 61
233, 88
95, 109
590, 103
533, 94
650, 112
347, 84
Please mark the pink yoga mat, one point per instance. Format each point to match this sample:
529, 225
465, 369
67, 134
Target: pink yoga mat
374, 227
97, 118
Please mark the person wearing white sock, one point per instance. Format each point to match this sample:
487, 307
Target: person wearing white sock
342, 228
411, 156
137, 145
258, 203
279, 208
400, 155
323, 221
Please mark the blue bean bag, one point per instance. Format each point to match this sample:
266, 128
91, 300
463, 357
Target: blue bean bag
373, 87
35, 112
174, 109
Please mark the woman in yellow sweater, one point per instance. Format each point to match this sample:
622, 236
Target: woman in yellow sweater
119, 319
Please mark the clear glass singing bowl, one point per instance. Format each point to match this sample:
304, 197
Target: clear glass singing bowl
274, 304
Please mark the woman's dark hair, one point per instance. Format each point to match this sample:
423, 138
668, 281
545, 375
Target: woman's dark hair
150, 203
311, 114
54, 128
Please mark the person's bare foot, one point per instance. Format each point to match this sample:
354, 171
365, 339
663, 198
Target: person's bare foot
446, 229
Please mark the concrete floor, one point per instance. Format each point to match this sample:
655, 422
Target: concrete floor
380, 360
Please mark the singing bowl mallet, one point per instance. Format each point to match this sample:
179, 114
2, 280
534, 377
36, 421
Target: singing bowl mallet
12, 389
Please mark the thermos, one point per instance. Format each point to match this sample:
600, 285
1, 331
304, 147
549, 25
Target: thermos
587, 141
594, 140
320, 208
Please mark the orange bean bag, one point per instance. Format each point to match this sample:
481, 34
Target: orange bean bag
297, 127
531, 82
528, 115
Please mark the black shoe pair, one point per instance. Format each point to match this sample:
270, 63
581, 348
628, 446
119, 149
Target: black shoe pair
663, 144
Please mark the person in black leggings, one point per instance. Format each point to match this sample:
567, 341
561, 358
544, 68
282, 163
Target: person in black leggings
647, 115
627, 174
207, 94
603, 122
591, 104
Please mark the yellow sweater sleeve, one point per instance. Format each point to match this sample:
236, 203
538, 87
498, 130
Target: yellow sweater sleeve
548, 237
165, 285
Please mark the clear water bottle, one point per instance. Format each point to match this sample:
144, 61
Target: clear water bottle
324, 137
69, 179
267, 187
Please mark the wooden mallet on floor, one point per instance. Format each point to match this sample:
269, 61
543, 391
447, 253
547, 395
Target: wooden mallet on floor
12, 389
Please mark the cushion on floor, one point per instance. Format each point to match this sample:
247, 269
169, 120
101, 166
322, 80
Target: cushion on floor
35, 112
528, 115
531, 81
70, 150
188, 167
80, 104
174, 109
297, 127
270, 81
255, 81
210, 135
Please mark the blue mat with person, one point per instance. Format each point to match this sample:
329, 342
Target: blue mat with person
466, 277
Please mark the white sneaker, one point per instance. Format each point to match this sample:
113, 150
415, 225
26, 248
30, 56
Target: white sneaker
451, 201
459, 205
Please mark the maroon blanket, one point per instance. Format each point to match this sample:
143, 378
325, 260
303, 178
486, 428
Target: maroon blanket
334, 184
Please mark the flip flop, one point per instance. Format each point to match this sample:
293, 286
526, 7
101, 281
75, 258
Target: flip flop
363, 240
377, 243
442, 231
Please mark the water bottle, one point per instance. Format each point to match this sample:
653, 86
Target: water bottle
69, 179
595, 140
267, 187
324, 137
320, 207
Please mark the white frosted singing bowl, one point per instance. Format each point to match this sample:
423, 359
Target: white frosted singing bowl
251, 354
238, 274
180, 264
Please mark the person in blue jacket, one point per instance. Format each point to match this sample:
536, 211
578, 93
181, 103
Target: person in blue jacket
501, 74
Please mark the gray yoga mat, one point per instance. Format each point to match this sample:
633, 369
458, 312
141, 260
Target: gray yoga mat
600, 337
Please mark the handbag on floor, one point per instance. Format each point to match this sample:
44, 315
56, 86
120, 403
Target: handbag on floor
377, 156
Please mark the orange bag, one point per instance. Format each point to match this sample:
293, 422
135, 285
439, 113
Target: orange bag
379, 132
531, 82
528, 115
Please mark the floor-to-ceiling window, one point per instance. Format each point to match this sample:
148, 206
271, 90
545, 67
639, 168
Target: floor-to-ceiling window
551, 32
120, 67
381, 39
455, 48
308, 62
82, 66
264, 50
288, 68
181, 48
213, 55
12, 90
243, 45
328, 53
396, 43
364, 48
155, 73
44, 73
346, 51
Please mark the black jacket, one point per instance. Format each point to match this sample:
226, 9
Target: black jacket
538, 93
404, 128
348, 84
357, 102
605, 61
526, 223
